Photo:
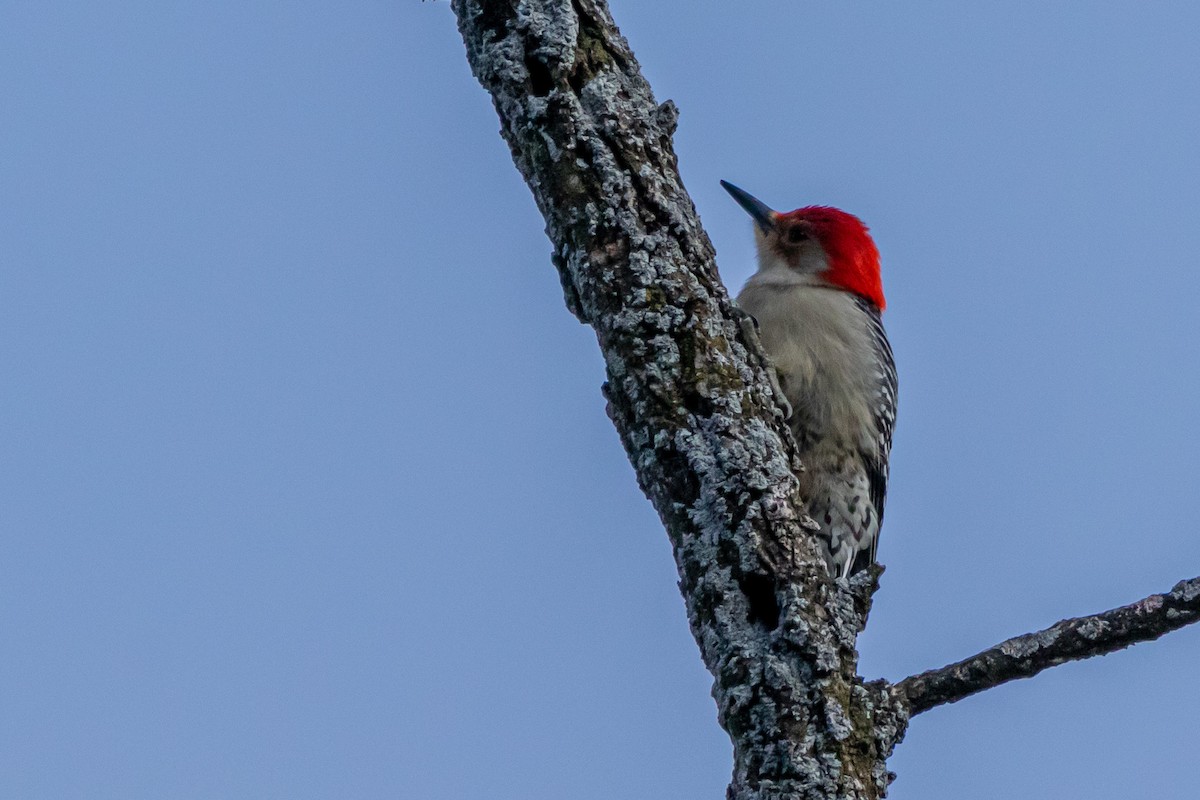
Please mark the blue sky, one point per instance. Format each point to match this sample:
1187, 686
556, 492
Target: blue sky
307, 485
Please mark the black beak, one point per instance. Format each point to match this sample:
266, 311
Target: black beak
760, 211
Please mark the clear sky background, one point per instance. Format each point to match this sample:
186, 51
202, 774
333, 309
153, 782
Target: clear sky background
306, 486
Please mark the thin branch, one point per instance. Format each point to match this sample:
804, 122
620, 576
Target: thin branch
1069, 640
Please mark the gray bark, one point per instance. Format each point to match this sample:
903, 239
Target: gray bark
690, 394
1068, 640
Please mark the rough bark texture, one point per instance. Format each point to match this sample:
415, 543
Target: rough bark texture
1069, 640
690, 394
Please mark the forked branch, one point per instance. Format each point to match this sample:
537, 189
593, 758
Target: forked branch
691, 396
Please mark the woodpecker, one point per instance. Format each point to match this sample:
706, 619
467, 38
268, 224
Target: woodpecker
817, 299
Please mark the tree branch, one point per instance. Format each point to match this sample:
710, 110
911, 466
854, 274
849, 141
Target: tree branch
690, 395
691, 398
1069, 640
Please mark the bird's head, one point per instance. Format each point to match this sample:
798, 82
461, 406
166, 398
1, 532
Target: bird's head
826, 243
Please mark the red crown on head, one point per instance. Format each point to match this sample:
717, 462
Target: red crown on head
853, 256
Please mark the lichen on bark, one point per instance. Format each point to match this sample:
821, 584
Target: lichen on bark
692, 398
688, 391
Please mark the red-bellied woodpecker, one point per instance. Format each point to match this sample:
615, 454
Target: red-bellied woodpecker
817, 299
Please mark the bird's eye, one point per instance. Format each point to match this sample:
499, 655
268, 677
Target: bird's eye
796, 235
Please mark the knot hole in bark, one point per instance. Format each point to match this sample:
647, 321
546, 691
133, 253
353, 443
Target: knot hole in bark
541, 80
759, 590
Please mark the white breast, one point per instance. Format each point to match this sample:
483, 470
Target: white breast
820, 342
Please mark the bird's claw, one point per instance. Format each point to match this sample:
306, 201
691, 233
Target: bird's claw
749, 326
